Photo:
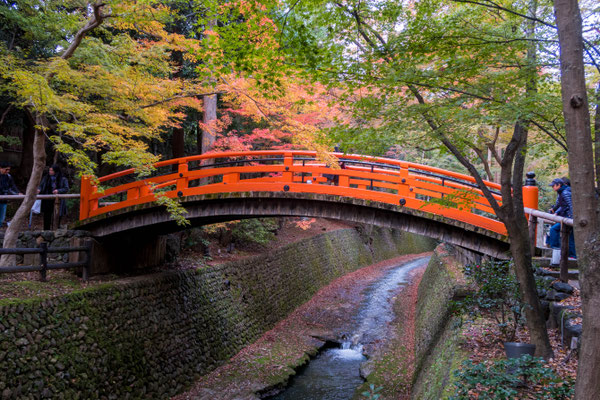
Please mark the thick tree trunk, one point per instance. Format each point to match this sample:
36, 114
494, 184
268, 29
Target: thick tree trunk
597, 137
585, 204
521, 253
208, 132
39, 162
209, 116
513, 217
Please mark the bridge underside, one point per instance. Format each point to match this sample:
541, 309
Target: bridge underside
151, 220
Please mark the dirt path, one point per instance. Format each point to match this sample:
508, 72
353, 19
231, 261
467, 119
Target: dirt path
273, 357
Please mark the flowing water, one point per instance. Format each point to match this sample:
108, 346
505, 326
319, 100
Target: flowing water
335, 373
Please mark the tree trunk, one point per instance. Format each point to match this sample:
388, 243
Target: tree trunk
178, 143
210, 115
585, 204
521, 253
26, 164
597, 137
513, 217
22, 214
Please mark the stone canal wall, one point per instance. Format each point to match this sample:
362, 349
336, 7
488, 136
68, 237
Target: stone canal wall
150, 337
437, 335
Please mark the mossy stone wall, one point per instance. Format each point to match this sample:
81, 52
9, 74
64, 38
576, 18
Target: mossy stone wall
150, 337
437, 334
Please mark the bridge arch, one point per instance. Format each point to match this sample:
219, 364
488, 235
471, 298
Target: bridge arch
150, 219
217, 187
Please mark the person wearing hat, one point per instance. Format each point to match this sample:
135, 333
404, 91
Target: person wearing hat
562, 208
7, 187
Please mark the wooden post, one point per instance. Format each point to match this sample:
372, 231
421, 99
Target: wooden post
403, 186
56, 216
564, 252
43, 261
533, 221
531, 200
88, 260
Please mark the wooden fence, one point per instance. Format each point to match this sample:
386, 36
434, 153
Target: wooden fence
43, 267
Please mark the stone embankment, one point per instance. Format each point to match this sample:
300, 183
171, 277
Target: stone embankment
437, 334
152, 336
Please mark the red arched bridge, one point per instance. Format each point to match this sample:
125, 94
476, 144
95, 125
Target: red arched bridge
234, 185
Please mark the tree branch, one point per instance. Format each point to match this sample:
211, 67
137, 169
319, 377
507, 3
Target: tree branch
558, 140
180, 96
5, 113
459, 156
92, 23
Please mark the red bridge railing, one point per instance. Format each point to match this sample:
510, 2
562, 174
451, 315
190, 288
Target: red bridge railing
419, 187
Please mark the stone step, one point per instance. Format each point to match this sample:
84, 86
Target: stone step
544, 262
573, 274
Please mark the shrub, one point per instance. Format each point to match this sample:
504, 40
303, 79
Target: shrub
256, 230
496, 297
515, 378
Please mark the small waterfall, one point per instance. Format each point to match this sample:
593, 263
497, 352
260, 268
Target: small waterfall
349, 351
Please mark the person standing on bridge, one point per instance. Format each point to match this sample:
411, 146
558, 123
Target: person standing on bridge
54, 182
7, 187
562, 208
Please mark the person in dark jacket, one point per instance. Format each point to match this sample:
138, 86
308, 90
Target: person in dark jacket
562, 208
7, 187
54, 182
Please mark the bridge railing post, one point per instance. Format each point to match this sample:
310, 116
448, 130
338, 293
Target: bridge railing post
565, 233
288, 163
403, 186
531, 200
182, 180
85, 203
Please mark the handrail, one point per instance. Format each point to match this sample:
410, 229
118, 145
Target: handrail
549, 217
410, 185
11, 197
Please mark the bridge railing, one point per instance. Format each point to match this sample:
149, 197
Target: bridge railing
420, 187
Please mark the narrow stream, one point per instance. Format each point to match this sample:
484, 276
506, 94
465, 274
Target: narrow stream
335, 373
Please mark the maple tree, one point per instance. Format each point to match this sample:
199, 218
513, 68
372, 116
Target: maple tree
296, 118
103, 86
97, 78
